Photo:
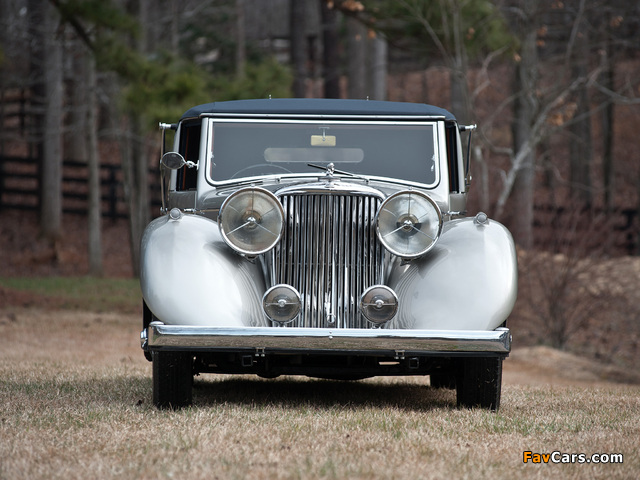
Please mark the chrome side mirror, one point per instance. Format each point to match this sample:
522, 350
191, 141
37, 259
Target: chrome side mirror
173, 160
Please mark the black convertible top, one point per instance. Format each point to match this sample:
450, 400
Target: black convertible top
317, 106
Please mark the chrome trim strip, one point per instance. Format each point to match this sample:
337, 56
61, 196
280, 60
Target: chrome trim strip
336, 186
350, 340
314, 117
302, 177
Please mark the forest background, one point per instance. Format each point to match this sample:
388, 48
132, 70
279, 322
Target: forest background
554, 87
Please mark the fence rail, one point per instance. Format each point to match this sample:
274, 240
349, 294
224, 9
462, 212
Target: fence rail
562, 228
554, 226
20, 186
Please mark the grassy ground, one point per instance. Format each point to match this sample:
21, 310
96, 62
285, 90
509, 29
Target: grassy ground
72, 293
75, 402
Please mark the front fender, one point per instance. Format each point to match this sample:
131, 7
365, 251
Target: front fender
189, 276
467, 282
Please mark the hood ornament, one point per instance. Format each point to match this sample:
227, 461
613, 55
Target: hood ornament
331, 168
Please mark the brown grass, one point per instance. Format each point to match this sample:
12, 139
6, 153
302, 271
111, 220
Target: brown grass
75, 402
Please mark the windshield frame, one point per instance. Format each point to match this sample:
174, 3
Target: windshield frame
433, 123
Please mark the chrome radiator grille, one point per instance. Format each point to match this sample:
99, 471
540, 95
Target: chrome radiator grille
330, 253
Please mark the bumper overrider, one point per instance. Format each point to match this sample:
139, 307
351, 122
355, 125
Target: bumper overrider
383, 342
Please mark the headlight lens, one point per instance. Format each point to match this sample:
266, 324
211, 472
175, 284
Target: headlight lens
408, 224
251, 221
379, 304
281, 303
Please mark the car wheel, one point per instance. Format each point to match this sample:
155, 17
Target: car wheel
479, 383
172, 379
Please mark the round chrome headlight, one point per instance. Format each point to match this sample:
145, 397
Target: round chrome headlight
408, 224
281, 303
251, 221
379, 304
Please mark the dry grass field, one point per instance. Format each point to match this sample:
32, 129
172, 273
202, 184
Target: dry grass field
75, 403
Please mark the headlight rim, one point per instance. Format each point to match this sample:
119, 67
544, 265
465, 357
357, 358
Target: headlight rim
421, 252
225, 237
291, 290
392, 295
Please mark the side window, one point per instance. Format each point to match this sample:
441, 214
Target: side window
190, 150
451, 130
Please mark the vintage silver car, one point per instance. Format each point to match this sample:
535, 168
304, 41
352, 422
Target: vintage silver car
324, 238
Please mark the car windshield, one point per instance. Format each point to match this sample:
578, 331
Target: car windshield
403, 151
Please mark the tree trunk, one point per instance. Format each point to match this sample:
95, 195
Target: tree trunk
75, 146
460, 94
134, 162
608, 81
580, 146
330, 51
525, 107
378, 73
298, 47
134, 169
174, 29
4, 43
36, 83
481, 177
241, 53
51, 203
458, 68
94, 213
356, 63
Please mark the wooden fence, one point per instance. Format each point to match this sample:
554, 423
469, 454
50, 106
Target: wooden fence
555, 227
20, 187
565, 228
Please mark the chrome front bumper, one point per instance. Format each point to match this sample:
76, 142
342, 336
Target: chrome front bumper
159, 336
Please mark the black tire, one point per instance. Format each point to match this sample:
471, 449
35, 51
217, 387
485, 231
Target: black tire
442, 380
172, 379
147, 318
479, 383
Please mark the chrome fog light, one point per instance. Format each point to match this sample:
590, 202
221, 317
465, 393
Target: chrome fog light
281, 303
251, 221
379, 304
175, 214
408, 224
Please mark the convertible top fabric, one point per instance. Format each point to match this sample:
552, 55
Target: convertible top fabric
316, 106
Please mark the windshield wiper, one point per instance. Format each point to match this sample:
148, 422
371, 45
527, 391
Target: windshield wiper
330, 170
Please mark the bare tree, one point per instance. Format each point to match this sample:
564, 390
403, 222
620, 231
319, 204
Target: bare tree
94, 213
611, 47
607, 80
366, 64
298, 46
541, 128
451, 48
525, 110
75, 147
241, 48
128, 129
580, 145
51, 200
330, 50
560, 286
357, 58
378, 67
